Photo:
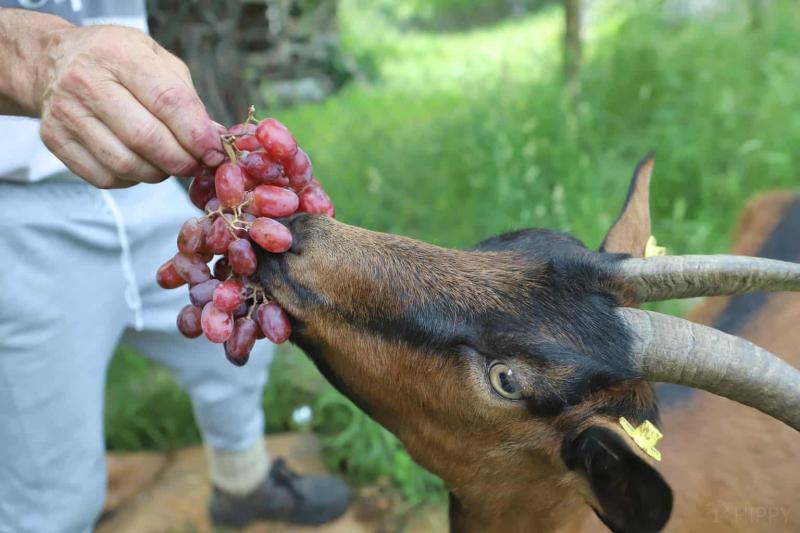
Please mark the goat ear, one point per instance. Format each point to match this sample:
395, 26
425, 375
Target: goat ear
632, 495
630, 232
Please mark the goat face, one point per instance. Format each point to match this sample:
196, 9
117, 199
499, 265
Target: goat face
505, 361
505, 368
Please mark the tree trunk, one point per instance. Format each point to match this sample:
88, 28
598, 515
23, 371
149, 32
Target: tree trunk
755, 8
240, 50
572, 40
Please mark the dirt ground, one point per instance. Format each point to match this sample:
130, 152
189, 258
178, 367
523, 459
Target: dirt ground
155, 493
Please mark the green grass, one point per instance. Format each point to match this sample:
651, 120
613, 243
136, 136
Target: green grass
464, 135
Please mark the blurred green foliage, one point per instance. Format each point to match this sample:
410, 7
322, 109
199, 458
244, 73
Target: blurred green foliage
448, 15
468, 134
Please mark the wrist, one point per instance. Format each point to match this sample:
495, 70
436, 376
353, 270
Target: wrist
25, 66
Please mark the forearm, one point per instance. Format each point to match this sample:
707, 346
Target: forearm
24, 37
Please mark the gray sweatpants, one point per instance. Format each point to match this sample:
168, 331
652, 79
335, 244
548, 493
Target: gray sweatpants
77, 276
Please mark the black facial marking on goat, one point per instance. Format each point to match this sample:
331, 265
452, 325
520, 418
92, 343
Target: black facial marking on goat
567, 300
580, 377
274, 266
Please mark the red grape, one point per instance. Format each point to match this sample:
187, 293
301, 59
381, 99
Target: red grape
189, 322
219, 237
246, 142
217, 324
202, 293
242, 258
191, 237
298, 170
271, 201
229, 184
191, 268
228, 295
276, 139
201, 190
270, 179
274, 322
205, 224
239, 129
241, 310
271, 235
222, 270
167, 277
213, 205
249, 183
314, 200
261, 168
240, 343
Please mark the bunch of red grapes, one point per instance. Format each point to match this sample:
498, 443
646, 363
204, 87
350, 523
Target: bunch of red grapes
267, 177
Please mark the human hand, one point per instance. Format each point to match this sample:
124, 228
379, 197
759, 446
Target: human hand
118, 109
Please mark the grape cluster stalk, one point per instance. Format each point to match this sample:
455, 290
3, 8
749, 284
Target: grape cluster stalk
267, 177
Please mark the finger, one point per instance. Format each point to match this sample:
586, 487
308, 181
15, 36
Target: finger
114, 155
142, 132
80, 161
220, 128
80, 124
182, 69
165, 94
178, 67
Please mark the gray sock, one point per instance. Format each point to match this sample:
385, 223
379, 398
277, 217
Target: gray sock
238, 472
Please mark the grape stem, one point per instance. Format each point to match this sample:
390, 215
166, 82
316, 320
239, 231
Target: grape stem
235, 224
251, 119
259, 296
228, 141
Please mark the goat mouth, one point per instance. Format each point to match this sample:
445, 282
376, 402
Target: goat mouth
273, 275
272, 272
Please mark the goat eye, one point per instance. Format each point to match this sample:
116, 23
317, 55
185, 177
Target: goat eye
504, 382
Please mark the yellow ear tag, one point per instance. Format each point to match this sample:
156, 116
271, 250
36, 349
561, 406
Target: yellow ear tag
652, 249
646, 436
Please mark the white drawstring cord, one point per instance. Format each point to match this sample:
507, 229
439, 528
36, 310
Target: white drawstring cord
132, 296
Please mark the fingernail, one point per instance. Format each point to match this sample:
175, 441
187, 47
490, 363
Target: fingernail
213, 158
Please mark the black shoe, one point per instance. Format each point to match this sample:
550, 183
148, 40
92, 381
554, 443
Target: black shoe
283, 496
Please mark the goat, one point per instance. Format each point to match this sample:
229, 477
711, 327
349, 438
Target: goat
506, 369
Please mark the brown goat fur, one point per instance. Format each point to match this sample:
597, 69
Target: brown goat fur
411, 332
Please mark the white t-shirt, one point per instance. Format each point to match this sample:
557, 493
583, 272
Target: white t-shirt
23, 156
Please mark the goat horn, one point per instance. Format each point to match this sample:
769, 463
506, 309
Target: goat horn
689, 276
674, 350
